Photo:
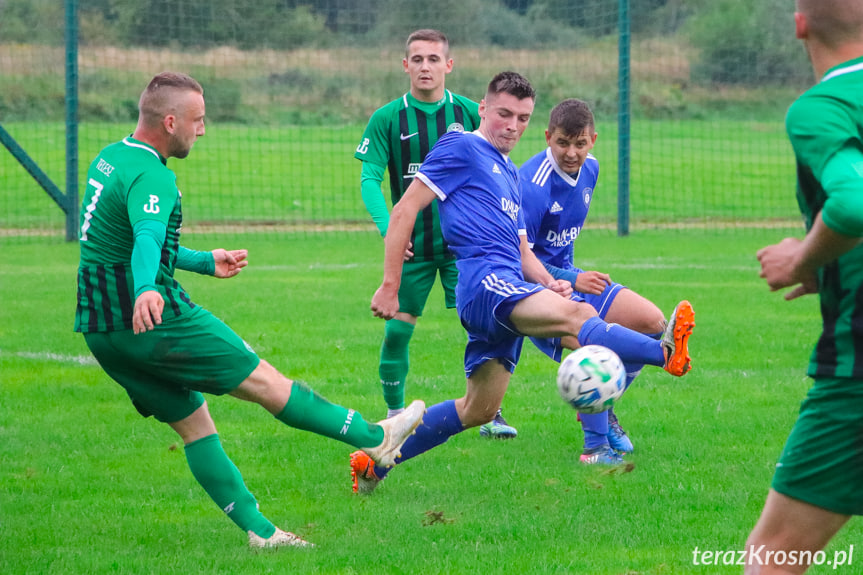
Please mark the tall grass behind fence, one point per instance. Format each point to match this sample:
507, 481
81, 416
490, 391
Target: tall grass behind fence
286, 110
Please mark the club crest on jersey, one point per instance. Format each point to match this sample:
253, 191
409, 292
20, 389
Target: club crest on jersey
455, 127
510, 208
587, 193
153, 206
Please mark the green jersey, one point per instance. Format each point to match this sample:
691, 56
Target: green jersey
825, 119
127, 183
398, 137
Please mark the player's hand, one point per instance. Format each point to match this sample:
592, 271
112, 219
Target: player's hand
385, 302
779, 269
148, 311
560, 287
408, 253
592, 282
229, 262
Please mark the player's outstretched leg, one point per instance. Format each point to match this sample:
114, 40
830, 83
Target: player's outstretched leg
440, 422
363, 476
397, 429
278, 539
675, 340
498, 428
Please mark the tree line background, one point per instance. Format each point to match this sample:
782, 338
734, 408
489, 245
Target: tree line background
738, 42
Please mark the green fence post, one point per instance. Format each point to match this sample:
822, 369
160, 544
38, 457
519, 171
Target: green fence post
623, 112
71, 120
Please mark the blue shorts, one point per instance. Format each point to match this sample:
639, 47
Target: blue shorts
600, 302
484, 309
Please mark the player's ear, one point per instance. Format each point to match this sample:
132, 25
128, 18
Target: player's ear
449, 65
169, 122
801, 26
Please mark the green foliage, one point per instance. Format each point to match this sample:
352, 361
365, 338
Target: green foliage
751, 44
200, 24
25, 21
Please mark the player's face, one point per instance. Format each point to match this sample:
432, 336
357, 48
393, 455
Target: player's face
504, 120
427, 64
187, 124
570, 152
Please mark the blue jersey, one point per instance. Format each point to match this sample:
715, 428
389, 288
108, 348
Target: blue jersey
555, 206
480, 214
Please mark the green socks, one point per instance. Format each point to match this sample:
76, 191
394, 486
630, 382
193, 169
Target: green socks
222, 481
394, 362
309, 411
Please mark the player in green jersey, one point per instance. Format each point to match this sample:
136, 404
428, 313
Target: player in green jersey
816, 485
150, 337
397, 139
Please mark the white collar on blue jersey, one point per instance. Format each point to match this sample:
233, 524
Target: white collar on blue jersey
478, 133
566, 177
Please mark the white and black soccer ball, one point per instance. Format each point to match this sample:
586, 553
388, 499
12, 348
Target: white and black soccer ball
591, 379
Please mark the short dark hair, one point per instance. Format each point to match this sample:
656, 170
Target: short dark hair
159, 97
572, 116
511, 83
427, 35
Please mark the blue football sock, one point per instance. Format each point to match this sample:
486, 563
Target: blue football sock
440, 422
630, 345
595, 426
632, 371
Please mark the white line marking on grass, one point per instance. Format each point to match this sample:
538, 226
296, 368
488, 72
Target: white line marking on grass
307, 267
58, 357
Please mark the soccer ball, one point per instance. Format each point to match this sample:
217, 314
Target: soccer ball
591, 378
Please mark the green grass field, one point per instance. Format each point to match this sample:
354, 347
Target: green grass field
87, 486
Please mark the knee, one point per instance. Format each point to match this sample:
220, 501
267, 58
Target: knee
476, 413
397, 334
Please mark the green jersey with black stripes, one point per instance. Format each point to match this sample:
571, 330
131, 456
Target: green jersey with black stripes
398, 137
823, 121
128, 182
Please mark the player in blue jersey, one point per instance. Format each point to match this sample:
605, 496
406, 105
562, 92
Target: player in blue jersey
504, 293
397, 139
557, 186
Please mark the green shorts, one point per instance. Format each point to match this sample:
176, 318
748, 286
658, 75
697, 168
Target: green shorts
822, 463
417, 281
165, 370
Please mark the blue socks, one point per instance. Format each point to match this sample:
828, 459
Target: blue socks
440, 422
631, 346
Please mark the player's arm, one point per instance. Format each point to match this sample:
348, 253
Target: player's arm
592, 282
371, 178
146, 255
385, 302
534, 271
837, 229
219, 262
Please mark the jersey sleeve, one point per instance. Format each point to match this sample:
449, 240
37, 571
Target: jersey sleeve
152, 197
375, 145
842, 180
531, 209
815, 142
446, 167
